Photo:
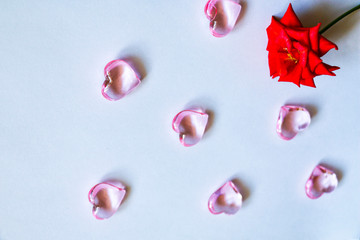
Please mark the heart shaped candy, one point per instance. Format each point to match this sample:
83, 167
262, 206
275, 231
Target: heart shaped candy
322, 180
120, 80
223, 15
291, 121
106, 198
191, 125
227, 199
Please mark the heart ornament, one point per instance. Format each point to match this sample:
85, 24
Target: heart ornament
223, 15
322, 180
120, 80
106, 198
291, 121
191, 125
227, 199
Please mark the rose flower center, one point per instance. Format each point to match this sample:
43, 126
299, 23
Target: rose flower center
290, 55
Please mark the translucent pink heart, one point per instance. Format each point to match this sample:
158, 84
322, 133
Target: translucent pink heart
191, 125
291, 121
223, 15
120, 80
106, 198
321, 180
226, 199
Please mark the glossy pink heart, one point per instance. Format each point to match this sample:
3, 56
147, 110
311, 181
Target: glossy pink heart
106, 198
223, 15
322, 180
227, 199
120, 80
291, 121
191, 125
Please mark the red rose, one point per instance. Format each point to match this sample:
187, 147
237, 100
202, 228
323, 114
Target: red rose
295, 51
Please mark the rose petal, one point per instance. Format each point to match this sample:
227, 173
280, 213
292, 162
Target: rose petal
322, 69
278, 38
273, 63
313, 60
290, 19
331, 68
325, 45
301, 36
302, 53
294, 76
314, 38
308, 82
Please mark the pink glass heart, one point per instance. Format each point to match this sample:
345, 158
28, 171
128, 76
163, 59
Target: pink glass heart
120, 80
291, 121
223, 15
322, 180
106, 198
226, 199
191, 125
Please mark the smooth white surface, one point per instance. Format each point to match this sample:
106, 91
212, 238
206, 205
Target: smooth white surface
60, 137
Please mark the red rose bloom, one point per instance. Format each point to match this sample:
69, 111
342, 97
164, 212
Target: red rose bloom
295, 51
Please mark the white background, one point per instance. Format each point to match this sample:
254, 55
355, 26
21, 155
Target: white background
59, 136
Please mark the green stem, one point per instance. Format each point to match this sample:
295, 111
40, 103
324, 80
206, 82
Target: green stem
339, 18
